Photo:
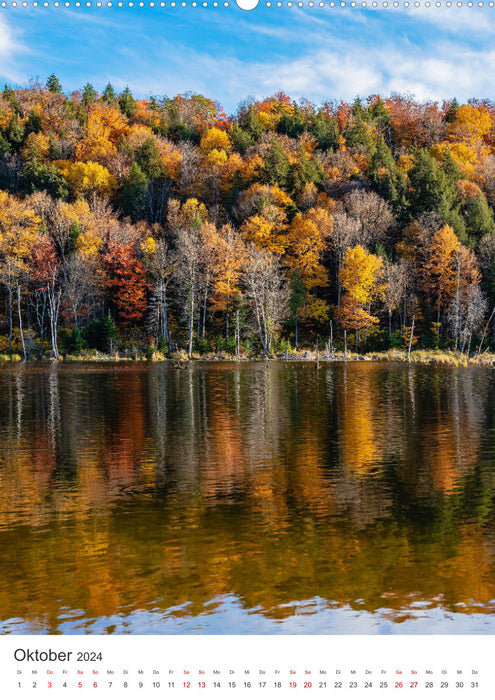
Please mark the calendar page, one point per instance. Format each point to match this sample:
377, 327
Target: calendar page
247, 302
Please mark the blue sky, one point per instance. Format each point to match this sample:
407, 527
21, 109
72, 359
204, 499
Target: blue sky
228, 54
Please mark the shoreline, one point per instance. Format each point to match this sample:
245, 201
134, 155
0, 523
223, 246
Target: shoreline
422, 357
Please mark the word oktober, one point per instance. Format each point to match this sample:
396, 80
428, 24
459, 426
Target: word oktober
37, 655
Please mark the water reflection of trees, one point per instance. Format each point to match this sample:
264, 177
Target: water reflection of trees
148, 488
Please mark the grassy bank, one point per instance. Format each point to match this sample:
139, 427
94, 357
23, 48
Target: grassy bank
424, 357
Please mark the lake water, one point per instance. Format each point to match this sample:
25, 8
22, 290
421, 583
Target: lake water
244, 498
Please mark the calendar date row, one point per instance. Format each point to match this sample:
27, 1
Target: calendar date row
247, 685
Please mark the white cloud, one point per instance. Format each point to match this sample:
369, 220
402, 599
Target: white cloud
10, 49
348, 70
466, 20
320, 55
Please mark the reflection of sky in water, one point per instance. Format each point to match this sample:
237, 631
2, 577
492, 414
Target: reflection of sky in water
227, 616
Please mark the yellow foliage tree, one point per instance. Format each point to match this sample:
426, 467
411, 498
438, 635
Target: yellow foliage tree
464, 155
359, 274
268, 232
105, 126
18, 229
251, 168
36, 147
306, 248
171, 158
260, 199
216, 159
360, 279
269, 120
440, 269
138, 134
449, 266
471, 124
215, 140
230, 256
148, 246
194, 212
6, 113
234, 164
88, 178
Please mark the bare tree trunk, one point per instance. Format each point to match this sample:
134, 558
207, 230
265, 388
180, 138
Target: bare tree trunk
205, 299
53, 308
227, 318
40, 308
238, 334
469, 345
164, 312
10, 319
20, 320
457, 303
198, 329
484, 332
411, 338
191, 324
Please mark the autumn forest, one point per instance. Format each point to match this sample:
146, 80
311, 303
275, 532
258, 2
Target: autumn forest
164, 224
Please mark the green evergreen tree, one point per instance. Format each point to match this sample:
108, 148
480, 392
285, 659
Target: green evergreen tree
293, 124
127, 102
304, 171
53, 84
233, 193
100, 333
380, 116
43, 177
133, 192
10, 96
89, 95
276, 164
388, 181
33, 124
454, 218
358, 135
450, 167
16, 132
432, 190
357, 110
451, 113
479, 217
148, 159
325, 131
4, 145
250, 122
74, 233
241, 138
109, 96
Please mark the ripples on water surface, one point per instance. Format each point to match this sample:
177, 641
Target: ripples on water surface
227, 498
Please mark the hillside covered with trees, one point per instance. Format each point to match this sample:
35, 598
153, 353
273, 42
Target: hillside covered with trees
164, 223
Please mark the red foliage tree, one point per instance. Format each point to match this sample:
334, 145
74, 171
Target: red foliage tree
126, 279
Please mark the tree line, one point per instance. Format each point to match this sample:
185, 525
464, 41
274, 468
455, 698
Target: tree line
164, 223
